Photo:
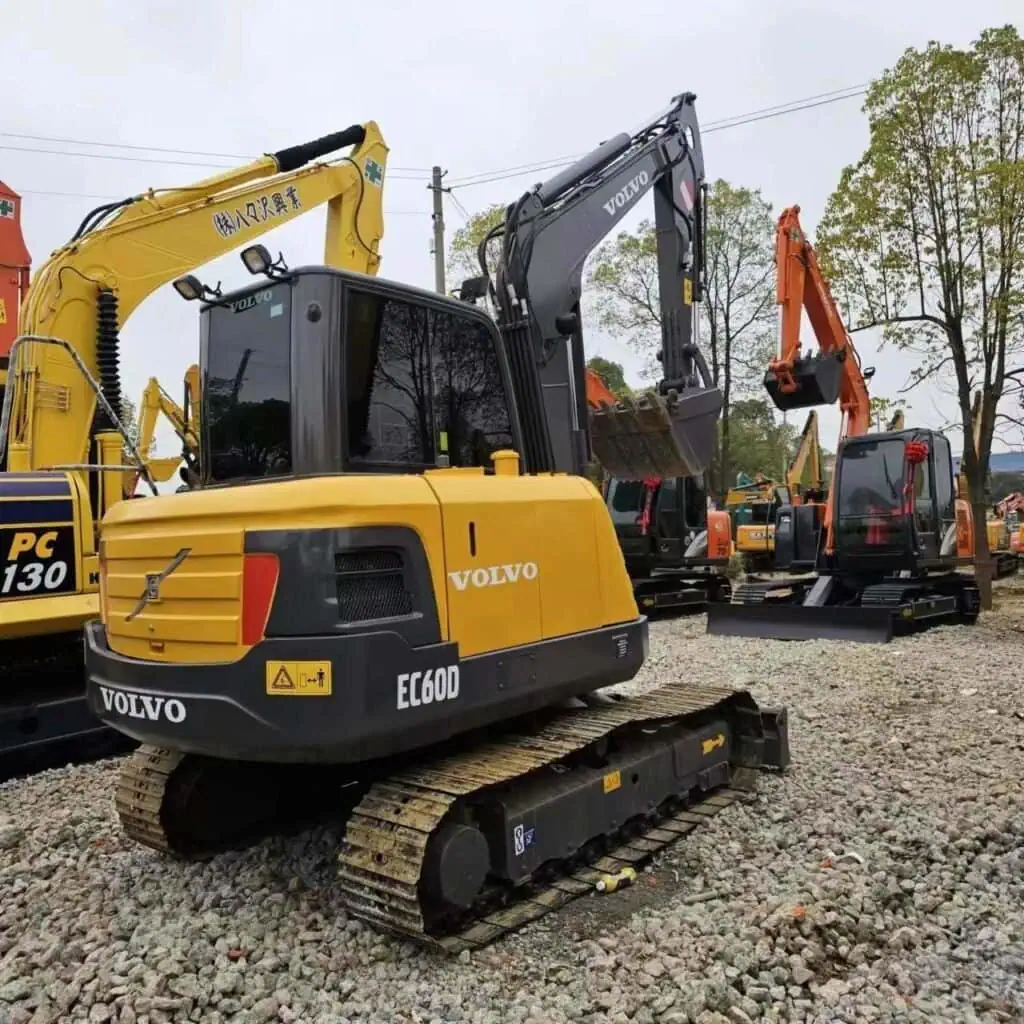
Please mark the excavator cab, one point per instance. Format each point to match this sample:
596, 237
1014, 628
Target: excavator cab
895, 504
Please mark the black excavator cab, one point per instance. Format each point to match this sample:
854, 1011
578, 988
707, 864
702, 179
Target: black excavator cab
895, 504
817, 378
895, 549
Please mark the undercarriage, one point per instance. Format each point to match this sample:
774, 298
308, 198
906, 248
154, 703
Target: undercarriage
488, 833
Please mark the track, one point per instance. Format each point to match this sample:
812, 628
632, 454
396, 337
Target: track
385, 848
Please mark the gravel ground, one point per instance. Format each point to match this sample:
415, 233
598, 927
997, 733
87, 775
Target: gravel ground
880, 879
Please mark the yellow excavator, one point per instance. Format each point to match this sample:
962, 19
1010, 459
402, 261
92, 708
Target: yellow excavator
156, 402
752, 507
396, 593
997, 530
62, 442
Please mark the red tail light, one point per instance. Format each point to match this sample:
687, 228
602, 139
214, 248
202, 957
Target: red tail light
259, 582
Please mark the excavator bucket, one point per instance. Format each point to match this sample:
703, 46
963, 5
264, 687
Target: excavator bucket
777, 620
817, 380
660, 436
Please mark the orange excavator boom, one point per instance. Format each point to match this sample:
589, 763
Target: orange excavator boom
598, 393
797, 381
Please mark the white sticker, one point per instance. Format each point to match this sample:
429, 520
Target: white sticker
276, 310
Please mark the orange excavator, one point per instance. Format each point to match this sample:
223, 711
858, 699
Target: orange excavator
676, 549
15, 264
882, 554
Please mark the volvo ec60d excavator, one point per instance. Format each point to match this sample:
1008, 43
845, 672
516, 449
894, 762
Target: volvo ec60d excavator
883, 551
395, 593
61, 433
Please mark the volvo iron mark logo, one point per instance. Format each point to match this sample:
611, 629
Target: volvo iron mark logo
151, 593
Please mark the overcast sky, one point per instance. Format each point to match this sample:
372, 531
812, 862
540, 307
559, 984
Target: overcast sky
473, 87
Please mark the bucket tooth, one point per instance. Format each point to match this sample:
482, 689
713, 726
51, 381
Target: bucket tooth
817, 378
655, 435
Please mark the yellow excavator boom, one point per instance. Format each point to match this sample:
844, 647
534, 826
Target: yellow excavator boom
808, 454
87, 290
156, 401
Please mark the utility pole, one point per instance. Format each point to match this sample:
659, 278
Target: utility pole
435, 187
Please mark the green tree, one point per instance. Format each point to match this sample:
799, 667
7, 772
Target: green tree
925, 233
761, 444
613, 375
738, 312
462, 261
884, 409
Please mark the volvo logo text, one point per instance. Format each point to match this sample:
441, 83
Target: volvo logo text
143, 705
493, 575
626, 193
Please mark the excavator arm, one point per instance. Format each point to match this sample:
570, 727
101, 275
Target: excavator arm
546, 236
156, 402
796, 381
123, 251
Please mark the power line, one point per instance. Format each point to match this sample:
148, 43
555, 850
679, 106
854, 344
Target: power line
147, 160
765, 113
157, 149
94, 195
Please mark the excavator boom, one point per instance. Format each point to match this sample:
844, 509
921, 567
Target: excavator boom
124, 251
546, 237
796, 381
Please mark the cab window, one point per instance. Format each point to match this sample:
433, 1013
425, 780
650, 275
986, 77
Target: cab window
469, 395
388, 378
424, 386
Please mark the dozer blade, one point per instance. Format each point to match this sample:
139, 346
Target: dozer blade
817, 381
782, 621
657, 436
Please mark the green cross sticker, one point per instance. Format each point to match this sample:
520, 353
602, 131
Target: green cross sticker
374, 173
6, 208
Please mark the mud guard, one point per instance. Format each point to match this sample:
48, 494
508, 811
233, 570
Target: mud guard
783, 621
656, 436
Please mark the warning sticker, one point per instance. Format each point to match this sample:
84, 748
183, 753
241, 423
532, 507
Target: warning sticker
299, 678
3, 312
612, 781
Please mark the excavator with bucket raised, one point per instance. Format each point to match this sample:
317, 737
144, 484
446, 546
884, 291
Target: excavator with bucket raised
882, 555
395, 592
61, 434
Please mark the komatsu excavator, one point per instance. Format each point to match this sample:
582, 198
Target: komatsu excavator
396, 593
883, 552
61, 433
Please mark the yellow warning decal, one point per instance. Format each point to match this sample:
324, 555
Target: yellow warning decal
3, 312
716, 741
612, 781
299, 678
